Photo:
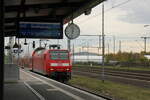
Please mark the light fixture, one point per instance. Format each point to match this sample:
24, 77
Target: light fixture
15, 45
25, 42
88, 12
7, 47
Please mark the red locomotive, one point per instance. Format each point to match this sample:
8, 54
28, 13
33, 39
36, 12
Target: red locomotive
55, 63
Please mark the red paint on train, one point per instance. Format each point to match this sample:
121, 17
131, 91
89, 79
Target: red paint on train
55, 63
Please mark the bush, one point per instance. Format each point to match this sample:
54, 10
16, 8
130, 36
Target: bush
128, 59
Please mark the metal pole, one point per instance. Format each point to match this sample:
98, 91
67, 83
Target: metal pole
114, 44
18, 50
108, 48
40, 43
2, 48
57, 41
145, 44
103, 43
45, 44
28, 54
79, 50
10, 51
69, 44
120, 46
28, 49
99, 44
88, 51
99, 41
82, 49
73, 53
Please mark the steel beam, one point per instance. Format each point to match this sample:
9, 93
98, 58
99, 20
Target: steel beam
43, 6
35, 18
2, 49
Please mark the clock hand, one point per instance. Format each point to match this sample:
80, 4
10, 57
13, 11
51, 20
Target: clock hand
72, 31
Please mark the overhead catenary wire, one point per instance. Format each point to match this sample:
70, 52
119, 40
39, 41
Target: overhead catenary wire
113, 7
139, 44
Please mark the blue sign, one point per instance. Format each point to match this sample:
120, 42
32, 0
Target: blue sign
40, 30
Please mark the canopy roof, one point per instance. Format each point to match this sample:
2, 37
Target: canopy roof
43, 11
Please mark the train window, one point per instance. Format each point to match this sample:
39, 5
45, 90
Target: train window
59, 55
40, 52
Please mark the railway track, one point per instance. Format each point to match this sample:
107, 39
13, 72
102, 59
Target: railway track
141, 79
112, 69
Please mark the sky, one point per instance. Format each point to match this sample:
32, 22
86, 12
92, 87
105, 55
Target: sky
124, 20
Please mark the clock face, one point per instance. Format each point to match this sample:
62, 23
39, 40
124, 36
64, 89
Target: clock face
72, 31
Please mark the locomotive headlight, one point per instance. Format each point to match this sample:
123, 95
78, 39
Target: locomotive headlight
53, 64
59, 64
67, 69
65, 64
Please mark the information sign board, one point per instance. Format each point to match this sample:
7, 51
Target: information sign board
40, 30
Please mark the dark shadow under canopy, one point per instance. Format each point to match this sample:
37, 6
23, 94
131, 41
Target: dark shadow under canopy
43, 11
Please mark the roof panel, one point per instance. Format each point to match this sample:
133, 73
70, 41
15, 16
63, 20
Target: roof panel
42, 1
18, 2
12, 14
12, 2
44, 10
76, 0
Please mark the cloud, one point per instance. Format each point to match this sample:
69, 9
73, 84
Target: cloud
127, 19
136, 12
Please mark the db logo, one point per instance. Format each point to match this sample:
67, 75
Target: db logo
59, 64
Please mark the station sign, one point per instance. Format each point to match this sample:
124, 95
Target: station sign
52, 30
17, 51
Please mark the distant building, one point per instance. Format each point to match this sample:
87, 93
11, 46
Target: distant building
84, 57
147, 56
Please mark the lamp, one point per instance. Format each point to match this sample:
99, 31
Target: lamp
88, 12
15, 45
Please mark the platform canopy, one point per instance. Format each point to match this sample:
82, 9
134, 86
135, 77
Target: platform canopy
43, 11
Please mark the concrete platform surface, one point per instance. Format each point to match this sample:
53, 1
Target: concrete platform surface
18, 91
11, 73
36, 87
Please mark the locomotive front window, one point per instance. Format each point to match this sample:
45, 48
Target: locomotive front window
59, 55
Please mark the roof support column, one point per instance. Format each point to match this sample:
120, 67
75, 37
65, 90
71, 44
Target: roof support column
2, 48
103, 44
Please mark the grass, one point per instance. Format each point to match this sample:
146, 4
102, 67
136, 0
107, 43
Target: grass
116, 67
115, 90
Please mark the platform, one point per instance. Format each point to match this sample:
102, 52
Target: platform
32, 86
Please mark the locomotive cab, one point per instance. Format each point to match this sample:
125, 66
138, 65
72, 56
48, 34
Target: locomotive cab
55, 63
59, 64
